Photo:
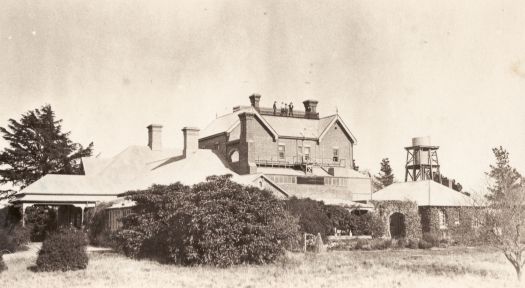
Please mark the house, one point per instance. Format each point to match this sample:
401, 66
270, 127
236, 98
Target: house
440, 209
299, 155
305, 154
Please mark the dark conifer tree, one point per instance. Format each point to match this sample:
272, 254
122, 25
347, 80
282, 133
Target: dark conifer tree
36, 147
386, 177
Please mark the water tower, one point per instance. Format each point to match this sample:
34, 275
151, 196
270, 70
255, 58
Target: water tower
422, 160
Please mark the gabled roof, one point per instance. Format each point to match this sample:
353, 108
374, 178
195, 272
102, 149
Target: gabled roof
190, 170
135, 161
228, 122
278, 126
298, 127
224, 124
339, 120
424, 193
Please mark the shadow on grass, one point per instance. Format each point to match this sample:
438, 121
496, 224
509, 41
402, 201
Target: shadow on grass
33, 268
441, 269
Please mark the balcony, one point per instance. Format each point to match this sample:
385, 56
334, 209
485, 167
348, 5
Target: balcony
293, 161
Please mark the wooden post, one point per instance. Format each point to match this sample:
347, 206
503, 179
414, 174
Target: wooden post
24, 206
304, 248
82, 217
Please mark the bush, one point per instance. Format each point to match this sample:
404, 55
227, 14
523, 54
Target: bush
432, 239
423, 244
413, 244
7, 244
14, 239
362, 244
63, 251
42, 220
96, 227
3, 267
312, 215
217, 222
381, 244
377, 226
402, 243
21, 235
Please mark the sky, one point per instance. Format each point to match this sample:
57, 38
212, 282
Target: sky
451, 70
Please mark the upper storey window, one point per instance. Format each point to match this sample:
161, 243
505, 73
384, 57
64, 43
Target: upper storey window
281, 149
335, 155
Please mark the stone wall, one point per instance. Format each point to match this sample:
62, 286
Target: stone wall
409, 209
451, 223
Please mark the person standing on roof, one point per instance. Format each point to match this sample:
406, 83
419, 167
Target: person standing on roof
274, 107
285, 109
290, 107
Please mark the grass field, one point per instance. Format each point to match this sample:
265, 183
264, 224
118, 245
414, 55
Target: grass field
453, 267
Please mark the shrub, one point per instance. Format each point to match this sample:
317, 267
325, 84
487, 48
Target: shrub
413, 244
7, 244
402, 243
423, 244
380, 244
14, 239
21, 235
42, 220
377, 226
362, 244
96, 227
3, 267
432, 239
63, 251
312, 216
217, 222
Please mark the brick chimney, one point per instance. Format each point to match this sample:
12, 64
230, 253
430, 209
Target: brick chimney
247, 144
154, 137
191, 140
310, 106
254, 100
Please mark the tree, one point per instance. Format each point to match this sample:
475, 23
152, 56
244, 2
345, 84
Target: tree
37, 146
503, 175
216, 222
385, 177
506, 214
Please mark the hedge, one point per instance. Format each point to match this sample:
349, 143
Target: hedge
216, 222
63, 251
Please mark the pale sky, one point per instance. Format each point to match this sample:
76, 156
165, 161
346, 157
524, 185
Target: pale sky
452, 70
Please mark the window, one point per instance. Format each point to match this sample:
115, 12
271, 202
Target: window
306, 153
336, 155
281, 149
442, 218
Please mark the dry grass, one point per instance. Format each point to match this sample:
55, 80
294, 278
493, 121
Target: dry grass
455, 267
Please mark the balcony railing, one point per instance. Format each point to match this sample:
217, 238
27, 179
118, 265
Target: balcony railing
296, 114
291, 161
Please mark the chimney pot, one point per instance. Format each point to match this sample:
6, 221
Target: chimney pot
155, 137
310, 107
191, 140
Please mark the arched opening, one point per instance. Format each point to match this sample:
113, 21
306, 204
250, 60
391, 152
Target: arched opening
397, 225
234, 156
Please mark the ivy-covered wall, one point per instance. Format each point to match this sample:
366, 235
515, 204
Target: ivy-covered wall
458, 222
409, 209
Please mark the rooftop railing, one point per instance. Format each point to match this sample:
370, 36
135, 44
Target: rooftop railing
291, 161
286, 113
